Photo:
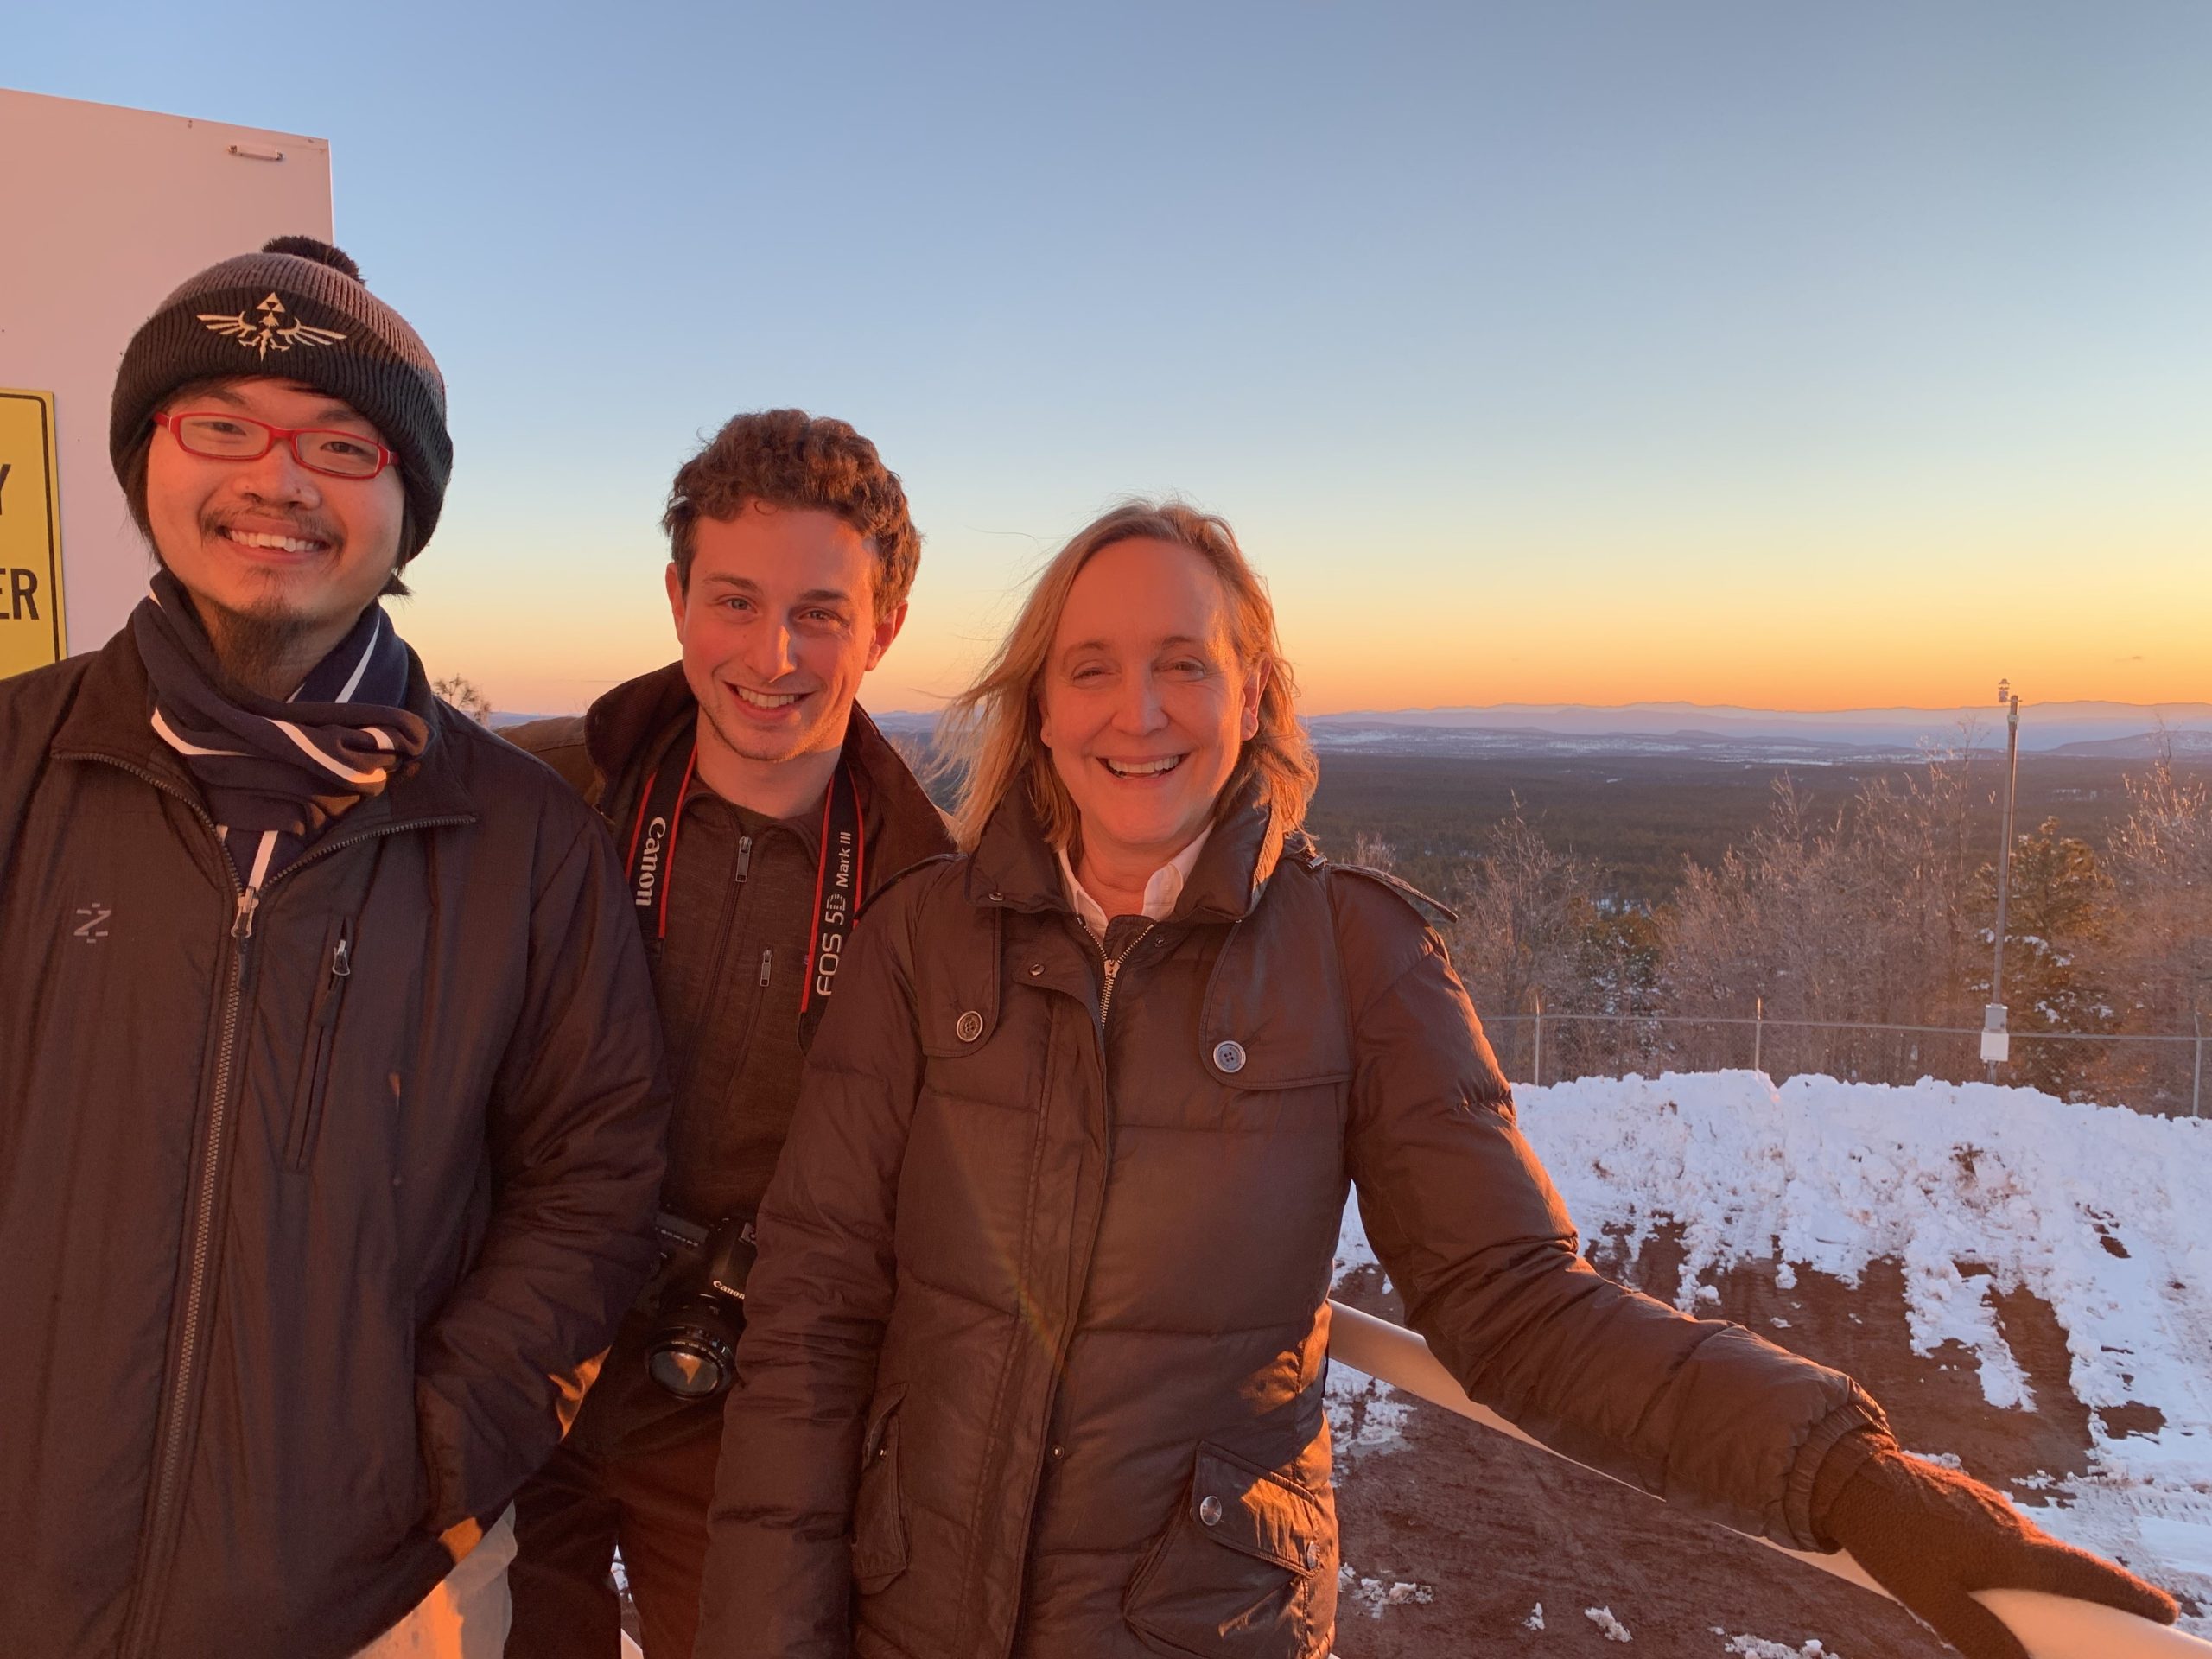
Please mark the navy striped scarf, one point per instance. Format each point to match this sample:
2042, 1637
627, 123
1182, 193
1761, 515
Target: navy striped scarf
274, 774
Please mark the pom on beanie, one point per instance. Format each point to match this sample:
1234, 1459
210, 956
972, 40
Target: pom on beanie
321, 253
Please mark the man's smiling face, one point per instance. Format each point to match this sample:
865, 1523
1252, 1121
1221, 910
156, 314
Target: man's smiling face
269, 543
778, 625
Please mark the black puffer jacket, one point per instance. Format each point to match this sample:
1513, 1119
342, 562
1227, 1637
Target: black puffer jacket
734, 1042
1038, 1336
307, 1238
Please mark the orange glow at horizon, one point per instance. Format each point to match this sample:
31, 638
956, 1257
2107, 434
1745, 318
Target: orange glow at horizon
1852, 662
1821, 630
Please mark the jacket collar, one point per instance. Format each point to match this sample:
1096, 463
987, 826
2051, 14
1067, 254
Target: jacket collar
628, 728
111, 719
905, 822
1014, 866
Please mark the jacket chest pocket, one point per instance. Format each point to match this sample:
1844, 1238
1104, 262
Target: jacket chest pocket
342, 1068
1244, 1571
1275, 1019
312, 1089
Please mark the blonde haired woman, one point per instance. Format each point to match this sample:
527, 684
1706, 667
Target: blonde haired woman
1037, 1339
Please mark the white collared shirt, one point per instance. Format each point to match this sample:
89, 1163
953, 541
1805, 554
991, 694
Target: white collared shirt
1160, 893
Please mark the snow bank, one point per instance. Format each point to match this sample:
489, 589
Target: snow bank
2105, 1214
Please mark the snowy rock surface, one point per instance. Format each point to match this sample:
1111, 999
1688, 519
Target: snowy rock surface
2099, 1211
2103, 1213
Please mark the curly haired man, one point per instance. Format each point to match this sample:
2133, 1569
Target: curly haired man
756, 805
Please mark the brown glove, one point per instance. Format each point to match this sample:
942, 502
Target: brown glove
1929, 1535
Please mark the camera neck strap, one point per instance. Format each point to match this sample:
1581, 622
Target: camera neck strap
836, 877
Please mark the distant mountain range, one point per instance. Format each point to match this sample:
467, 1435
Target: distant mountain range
1698, 731
2188, 743
2043, 725
2117, 731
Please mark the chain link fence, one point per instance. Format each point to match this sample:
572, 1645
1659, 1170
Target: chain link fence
2158, 1073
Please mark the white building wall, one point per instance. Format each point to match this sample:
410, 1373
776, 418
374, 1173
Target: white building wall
107, 210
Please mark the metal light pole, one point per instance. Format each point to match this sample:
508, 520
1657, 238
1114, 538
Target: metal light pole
1539, 1079
2197, 1079
1996, 1041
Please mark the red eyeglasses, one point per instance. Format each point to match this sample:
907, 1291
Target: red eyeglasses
240, 437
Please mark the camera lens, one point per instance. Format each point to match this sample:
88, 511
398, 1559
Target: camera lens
695, 1371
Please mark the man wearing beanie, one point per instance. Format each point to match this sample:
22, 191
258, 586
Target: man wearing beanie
757, 806
332, 1120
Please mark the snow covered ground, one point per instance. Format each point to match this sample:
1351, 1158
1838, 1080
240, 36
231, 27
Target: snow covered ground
1976, 1192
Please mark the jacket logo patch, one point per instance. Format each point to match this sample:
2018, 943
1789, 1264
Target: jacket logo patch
268, 332
91, 923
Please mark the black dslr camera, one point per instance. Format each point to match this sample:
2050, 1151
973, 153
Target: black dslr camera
692, 1351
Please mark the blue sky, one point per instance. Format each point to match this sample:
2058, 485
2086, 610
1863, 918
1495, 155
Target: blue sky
1785, 355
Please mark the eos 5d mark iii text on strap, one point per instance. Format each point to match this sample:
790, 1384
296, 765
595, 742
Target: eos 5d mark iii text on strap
692, 1349
836, 877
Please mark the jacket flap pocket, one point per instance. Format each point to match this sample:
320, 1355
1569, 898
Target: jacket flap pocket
957, 984
1260, 1513
879, 1423
879, 1507
1275, 1014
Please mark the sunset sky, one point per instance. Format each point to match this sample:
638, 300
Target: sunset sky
1728, 353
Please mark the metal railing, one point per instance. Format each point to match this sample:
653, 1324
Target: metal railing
2189, 1045
2049, 1627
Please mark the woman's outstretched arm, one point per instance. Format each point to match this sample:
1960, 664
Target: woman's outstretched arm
1474, 1234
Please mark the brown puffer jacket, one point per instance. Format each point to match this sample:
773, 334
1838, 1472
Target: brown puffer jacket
1037, 1339
309, 1233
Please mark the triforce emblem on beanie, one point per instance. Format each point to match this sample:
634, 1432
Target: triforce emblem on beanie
270, 332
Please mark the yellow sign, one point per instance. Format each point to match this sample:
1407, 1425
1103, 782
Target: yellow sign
31, 634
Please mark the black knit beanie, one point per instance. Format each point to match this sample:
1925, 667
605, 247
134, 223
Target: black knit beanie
295, 311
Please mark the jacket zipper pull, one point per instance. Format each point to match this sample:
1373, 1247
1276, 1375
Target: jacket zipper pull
765, 958
744, 857
342, 969
249, 898
1111, 966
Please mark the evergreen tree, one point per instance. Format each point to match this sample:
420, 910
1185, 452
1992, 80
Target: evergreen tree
2057, 919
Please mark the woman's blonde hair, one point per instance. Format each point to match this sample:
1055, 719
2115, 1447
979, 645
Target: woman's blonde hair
992, 729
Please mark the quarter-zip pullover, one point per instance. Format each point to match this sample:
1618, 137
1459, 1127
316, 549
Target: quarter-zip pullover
740, 908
